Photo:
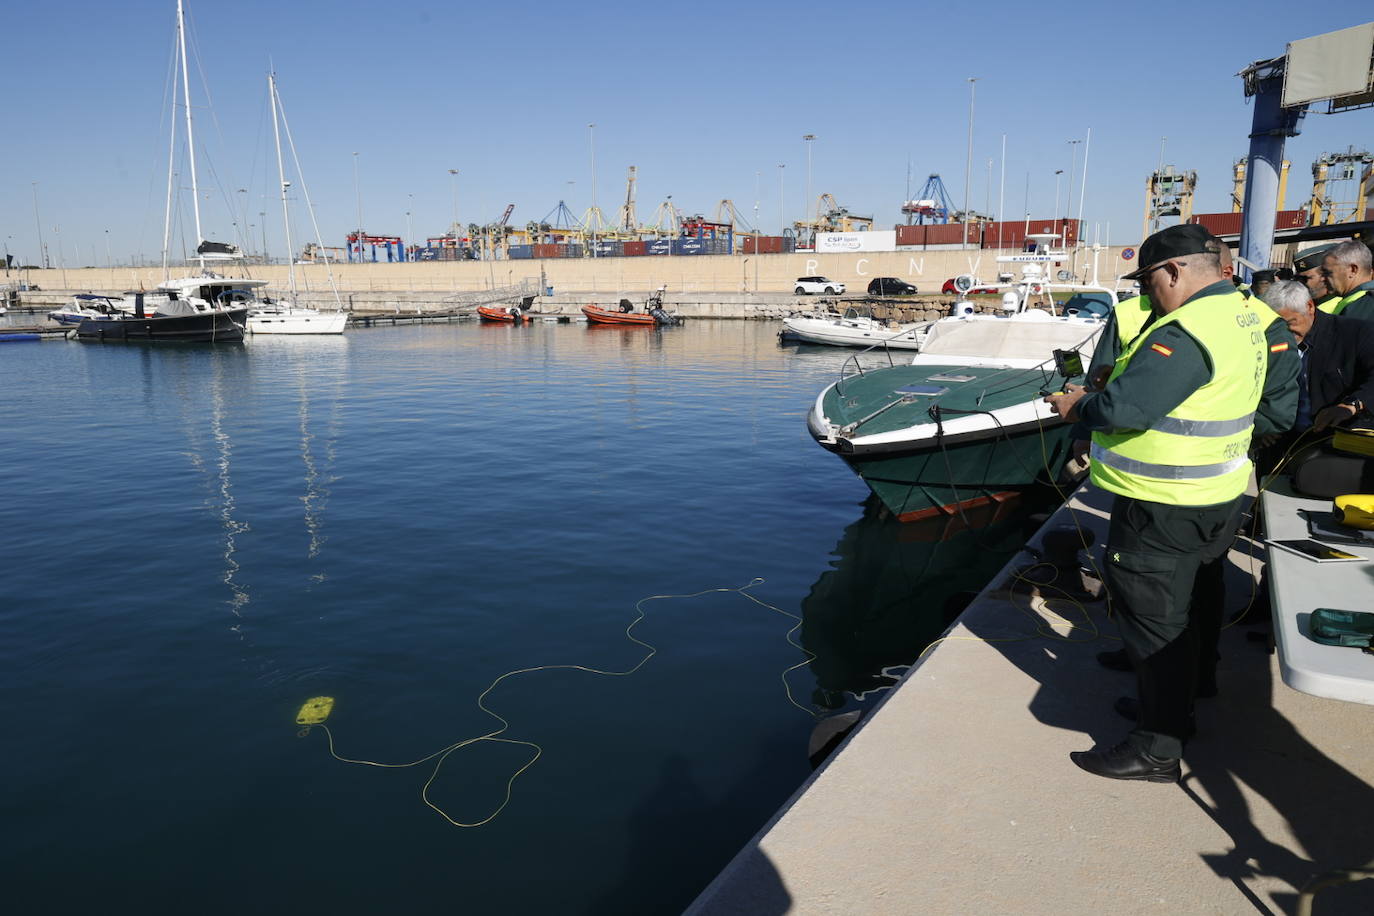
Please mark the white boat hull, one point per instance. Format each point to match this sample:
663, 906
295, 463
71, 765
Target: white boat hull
855, 332
297, 321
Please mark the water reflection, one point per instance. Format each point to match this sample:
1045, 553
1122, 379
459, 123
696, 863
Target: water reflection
892, 589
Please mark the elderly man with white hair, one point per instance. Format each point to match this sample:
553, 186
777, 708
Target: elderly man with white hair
1349, 270
1337, 379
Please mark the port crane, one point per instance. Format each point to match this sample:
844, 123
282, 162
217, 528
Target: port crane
830, 217
930, 205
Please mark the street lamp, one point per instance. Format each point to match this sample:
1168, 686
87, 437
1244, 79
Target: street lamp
968, 164
262, 221
453, 182
1057, 173
591, 140
809, 139
1073, 169
782, 207
358, 195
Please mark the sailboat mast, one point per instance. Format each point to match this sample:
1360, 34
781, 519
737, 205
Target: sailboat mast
171, 172
281, 180
190, 134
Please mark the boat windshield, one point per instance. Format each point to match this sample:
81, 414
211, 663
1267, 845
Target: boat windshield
1003, 339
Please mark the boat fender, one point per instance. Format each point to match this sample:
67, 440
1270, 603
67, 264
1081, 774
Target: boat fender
626, 306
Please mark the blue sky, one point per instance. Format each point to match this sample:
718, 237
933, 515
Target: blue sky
705, 98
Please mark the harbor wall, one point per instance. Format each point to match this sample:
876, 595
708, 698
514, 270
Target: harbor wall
688, 274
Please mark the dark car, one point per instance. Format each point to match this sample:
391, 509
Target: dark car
890, 286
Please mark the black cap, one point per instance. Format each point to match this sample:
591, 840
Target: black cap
1173, 242
1263, 276
1309, 258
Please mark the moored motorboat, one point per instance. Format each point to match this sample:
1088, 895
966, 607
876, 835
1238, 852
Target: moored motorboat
965, 423
202, 309
857, 327
503, 315
87, 305
598, 315
654, 313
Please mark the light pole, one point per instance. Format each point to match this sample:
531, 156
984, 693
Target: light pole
453, 181
591, 141
782, 207
672, 219
262, 221
1073, 170
358, 197
42, 242
758, 181
109, 261
1057, 173
968, 164
810, 218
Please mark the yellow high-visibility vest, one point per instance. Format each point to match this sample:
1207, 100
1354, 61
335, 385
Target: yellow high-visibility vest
1197, 454
1336, 306
1131, 316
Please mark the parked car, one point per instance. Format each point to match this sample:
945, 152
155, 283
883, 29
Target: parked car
890, 286
809, 286
979, 288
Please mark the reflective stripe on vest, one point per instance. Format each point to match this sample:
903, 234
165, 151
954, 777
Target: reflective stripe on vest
1204, 428
1165, 471
1195, 456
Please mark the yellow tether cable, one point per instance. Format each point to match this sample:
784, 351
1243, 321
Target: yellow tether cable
441, 755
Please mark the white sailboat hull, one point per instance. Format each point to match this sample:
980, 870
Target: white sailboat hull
296, 321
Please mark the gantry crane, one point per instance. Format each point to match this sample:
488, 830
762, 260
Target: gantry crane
1340, 168
629, 223
1167, 193
931, 204
830, 217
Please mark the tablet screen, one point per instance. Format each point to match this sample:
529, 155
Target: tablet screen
1315, 550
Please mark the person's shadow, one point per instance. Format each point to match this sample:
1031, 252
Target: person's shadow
1244, 743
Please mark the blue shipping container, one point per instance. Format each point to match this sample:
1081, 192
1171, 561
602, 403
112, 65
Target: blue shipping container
521, 251
658, 246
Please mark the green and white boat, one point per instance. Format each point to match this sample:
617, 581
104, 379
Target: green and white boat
965, 423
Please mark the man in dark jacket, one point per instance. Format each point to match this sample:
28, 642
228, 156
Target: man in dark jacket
1337, 378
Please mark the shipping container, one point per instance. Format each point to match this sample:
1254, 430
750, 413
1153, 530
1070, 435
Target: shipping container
607, 249
1230, 223
767, 244
520, 251
633, 249
935, 234
658, 246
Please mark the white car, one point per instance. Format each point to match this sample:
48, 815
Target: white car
808, 286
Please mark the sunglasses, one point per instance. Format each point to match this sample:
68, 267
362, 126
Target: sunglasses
1143, 277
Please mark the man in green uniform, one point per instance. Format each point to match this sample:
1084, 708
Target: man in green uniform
1170, 432
1307, 265
1349, 270
1275, 415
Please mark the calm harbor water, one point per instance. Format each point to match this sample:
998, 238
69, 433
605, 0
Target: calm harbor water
197, 539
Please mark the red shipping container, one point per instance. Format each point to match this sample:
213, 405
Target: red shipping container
633, 249
1230, 223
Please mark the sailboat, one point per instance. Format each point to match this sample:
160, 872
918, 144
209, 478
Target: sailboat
204, 308
285, 317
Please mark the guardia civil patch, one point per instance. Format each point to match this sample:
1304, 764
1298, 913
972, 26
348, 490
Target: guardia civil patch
1161, 349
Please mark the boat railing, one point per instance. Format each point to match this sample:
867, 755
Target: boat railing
990, 385
881, 344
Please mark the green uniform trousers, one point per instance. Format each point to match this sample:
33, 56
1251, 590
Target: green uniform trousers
1153, 555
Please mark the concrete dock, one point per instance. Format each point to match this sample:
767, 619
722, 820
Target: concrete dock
957, 794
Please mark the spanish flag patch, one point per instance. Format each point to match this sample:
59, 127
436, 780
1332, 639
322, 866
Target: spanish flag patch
1161, 349
1278, 348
